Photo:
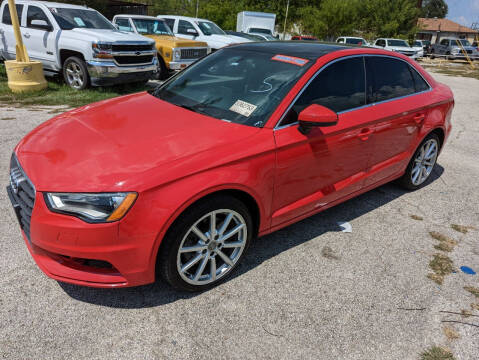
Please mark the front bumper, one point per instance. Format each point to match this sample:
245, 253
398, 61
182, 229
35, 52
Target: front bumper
96, 255
180, 65
104, 73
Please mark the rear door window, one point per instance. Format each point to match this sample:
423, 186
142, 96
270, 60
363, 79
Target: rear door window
419, 83
388, 78
6, 19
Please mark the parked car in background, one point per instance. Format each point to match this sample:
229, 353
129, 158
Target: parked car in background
418, 47
79, 43
251, 37
253, 22
304, 37
475, 45
200, 30
174, 54
425, 44
176, 182
265, 37
397, 45
351, 40
453, 49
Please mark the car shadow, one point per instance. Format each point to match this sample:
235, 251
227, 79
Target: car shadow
261, 250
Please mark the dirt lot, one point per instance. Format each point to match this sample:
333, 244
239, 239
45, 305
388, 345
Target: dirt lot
308, 291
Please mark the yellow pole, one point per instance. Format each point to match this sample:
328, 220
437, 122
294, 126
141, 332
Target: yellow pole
465, 53
21, 52
23, 74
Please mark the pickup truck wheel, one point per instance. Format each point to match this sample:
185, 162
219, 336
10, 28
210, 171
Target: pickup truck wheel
162, 69
75, 73
432, 54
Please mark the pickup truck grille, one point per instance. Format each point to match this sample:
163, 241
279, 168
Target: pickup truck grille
133, 60
407, 53
193, 53
128, 47
22, 193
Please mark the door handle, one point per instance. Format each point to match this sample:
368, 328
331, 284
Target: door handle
365, 133
418, 118
27, 35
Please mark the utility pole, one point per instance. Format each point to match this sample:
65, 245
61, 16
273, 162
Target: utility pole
285, 19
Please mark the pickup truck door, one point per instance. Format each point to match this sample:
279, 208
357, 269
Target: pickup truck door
40, 40
7, 38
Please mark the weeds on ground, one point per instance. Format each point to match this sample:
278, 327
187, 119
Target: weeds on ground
450, 333
475, 306
473, 290
442, 266
445, 243
416, 217
437, 353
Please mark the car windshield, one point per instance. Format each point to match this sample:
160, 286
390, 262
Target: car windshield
209, 28
152, 27
355, 41
395, 42
235, 85
463, 42
68, 19
417, 43
260, 30
426, 42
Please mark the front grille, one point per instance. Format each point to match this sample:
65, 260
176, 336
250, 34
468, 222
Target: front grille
23, 193
407, 53
131, 47
469, 51
193, 53
132, 60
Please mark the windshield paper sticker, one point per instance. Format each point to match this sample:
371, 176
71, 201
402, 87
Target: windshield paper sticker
290, 59
79, 21
243, 108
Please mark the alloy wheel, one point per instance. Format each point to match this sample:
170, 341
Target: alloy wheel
424, 162
75, 75
212, 247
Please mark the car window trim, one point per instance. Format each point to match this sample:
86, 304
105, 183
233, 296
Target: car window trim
278, 125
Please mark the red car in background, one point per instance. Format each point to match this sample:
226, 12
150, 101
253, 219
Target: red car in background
304, 37
177, 181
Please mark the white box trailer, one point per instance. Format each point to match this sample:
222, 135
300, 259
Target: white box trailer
255, 22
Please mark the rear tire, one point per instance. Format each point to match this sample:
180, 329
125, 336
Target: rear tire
205, 244
422, 164
163, 72
75, 73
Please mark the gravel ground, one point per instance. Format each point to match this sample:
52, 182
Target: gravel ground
307, 291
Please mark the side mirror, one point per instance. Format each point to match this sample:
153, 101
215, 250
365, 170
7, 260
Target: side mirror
192, 32
41, 24
316, 115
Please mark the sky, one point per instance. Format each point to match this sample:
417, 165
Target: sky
464, 12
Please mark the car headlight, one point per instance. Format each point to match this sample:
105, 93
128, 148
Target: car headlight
176, 54
102, 50
91, 207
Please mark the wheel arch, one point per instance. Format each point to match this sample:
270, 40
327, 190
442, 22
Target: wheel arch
251, 202
66, 53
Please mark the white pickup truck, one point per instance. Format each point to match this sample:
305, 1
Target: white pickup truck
79, 43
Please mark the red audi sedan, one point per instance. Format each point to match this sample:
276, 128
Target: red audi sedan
177, 182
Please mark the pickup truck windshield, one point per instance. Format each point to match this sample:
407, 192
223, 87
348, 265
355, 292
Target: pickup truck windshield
462, 41
354, 41
69, 19
234, 85
152, 27
398, 43
209, 28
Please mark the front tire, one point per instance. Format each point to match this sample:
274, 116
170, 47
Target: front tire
422, 164
75, 73
206, 244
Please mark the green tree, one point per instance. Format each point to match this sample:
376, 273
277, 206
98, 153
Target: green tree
434, 8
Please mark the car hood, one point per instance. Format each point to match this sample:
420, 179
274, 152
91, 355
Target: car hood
109, 35
120, 144
227, 39
174, 41
401, 48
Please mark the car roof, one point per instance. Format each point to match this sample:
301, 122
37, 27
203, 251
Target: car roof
52, 4
182, 18
301, 49
137, 16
